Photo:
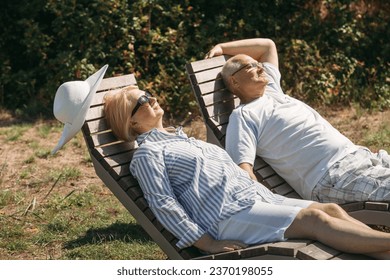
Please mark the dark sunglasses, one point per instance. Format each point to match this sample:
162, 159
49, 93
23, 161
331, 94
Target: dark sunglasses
249, 65
141, 101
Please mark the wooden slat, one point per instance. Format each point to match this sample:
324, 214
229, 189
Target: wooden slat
378, 206
120, 171
94, 113
293, 195
317, 251
218, 97
372, 217
206, 76
102, 152
200, 65
213, 113
254, 251
120, 159
275, 180
354, 206
266, 172
118, 81
283, 189
234, 255
103, 138
134, 192
287, 248
96, 126
345, 256
128, 182
142, 203
99, 96
210, 87
259, 163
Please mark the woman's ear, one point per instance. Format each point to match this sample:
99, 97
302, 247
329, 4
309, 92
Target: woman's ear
133, 124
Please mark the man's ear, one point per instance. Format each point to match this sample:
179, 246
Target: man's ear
233, 82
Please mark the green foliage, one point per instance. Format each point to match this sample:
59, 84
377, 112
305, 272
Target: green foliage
330, 51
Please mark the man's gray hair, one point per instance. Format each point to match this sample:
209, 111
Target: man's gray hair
231, 66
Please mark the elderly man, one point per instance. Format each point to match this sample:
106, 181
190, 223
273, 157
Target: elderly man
309, 153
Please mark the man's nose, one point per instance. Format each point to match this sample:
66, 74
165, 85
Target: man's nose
152, 100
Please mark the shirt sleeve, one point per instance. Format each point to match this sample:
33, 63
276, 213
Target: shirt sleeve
241, 141
273, 72
154, 181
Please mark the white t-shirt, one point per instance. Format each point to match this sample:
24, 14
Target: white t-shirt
289, 135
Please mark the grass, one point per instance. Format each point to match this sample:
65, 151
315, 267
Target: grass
78, 225
380, 138
55, 207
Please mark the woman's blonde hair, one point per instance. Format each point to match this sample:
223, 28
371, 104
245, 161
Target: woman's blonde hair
117, 109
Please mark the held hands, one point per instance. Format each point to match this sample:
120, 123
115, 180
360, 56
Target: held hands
215, 51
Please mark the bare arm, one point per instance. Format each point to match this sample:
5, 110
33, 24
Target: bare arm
261, 49
208, 244
248, 168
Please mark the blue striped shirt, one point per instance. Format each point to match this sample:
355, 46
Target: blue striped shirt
190, 185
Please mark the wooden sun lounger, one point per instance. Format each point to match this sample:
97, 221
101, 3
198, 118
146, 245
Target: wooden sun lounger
111, 159
216, 103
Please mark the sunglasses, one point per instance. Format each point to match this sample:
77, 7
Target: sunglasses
251, 65
141, 101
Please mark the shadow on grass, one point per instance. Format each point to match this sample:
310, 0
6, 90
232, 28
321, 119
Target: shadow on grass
118, 231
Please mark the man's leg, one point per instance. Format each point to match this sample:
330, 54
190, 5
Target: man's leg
360, 176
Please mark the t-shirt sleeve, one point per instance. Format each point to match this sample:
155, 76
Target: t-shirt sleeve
274, 75
240, 138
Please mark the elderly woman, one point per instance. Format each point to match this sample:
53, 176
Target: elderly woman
200, 195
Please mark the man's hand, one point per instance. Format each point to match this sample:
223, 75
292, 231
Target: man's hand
215, 51
208, 244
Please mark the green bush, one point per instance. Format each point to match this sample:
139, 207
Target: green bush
331, 52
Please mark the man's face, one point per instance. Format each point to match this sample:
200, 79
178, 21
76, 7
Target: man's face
250, 79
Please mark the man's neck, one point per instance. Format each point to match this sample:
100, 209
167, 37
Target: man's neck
249, 99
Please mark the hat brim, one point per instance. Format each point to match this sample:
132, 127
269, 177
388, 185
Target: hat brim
70, 130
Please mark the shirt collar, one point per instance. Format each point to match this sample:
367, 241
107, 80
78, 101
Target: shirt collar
155, 135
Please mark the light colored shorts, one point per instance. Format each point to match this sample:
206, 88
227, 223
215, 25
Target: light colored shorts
359, 176
263, 222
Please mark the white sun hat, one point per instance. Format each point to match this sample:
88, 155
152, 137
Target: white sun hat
72, 102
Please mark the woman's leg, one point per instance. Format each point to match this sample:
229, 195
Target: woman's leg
340, 234
336, 211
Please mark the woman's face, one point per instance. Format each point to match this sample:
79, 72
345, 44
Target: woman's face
149, 114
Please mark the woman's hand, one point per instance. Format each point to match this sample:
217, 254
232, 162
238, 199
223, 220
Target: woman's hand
208, 244
215, 51
219, 246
